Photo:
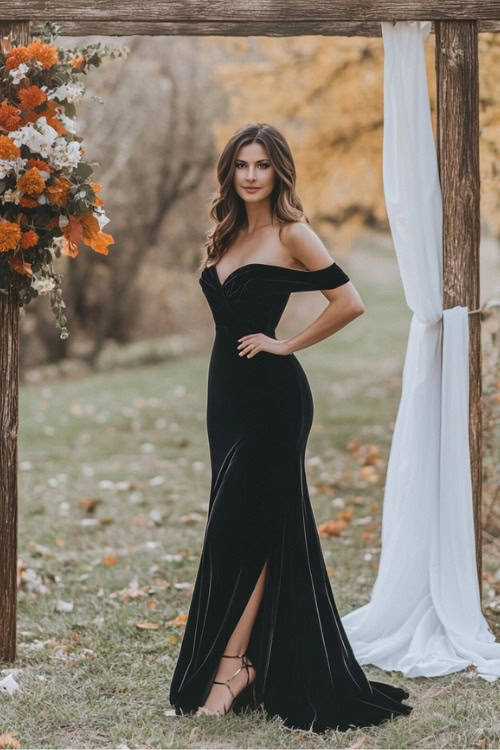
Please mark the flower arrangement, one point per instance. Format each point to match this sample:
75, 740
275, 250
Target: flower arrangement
48, 203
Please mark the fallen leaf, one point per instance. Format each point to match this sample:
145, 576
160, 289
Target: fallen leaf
353, 445
89, 504
8, 740
191, 518
179, 620
332, 528
346, 515
369, 473
145, 625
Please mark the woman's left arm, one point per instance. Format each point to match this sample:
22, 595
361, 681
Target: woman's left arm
345, 303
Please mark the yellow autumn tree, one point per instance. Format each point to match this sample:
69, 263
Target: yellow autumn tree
326, 94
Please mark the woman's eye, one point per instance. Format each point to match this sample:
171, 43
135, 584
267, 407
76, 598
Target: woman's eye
239, 164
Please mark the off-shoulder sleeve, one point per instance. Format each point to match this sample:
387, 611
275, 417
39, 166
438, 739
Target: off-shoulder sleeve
289, 280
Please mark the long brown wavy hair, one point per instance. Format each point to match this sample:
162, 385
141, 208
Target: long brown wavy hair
228, 209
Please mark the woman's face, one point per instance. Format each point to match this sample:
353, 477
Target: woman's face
253, 168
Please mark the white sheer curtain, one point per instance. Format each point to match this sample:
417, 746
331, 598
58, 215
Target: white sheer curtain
424, 617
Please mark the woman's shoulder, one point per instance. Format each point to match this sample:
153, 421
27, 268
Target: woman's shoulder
294, 233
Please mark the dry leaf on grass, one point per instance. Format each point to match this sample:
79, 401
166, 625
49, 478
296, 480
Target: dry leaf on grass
191, 518
179, 620
89, 504
132, 591
110, 559
332, 528
369, 473
8, 740
145, 625
346, 515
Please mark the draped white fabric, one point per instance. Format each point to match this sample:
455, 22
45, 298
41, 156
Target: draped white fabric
424, 617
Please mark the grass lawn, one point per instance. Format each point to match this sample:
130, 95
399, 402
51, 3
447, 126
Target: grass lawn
112, 466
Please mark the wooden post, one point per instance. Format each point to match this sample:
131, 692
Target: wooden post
457, 71
9, 420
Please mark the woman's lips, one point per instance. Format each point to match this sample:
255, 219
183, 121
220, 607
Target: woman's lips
252, 189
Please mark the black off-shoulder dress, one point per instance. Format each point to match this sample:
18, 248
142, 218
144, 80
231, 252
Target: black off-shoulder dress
259, 414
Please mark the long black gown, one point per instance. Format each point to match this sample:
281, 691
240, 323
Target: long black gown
259, 414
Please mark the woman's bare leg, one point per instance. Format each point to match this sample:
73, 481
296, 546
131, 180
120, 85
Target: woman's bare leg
220, 697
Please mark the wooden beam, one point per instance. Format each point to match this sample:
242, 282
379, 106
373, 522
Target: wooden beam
195, 12
457, 71
9, 422
229, 28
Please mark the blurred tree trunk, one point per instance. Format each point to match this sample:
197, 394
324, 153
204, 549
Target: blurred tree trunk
152, 139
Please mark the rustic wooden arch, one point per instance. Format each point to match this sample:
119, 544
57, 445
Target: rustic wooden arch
456, 25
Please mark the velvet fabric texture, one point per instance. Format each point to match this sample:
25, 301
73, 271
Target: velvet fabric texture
259, 414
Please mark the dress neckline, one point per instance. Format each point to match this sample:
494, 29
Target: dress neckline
265, 265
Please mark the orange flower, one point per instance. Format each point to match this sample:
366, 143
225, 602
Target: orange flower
31, 183
28, 239
10, 234
31, 97
78, 62
44, 53
8, 149
26, 202
39, 163
59, 192
9, 116
16, 56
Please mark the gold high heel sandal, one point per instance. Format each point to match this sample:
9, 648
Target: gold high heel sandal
244, 665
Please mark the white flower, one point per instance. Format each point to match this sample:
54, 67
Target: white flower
19, 73
43, 285
71, 92
38, 136
64, 154
57, 244
68, 123
11, 196
7, 166
100, 216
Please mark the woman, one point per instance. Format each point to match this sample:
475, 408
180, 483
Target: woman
263, 629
